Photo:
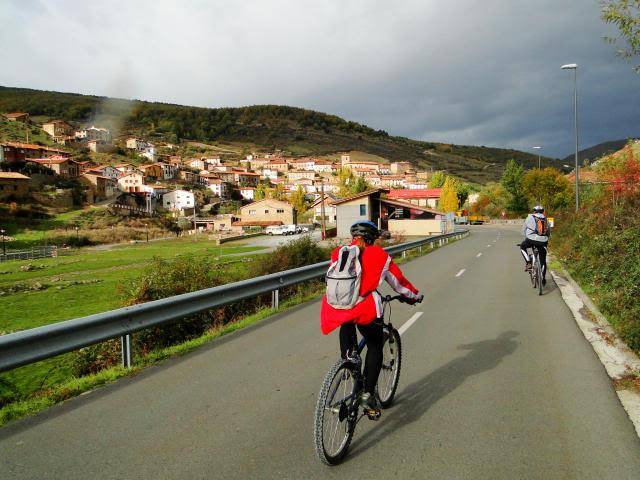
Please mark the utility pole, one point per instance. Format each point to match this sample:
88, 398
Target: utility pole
322, 220
4, 249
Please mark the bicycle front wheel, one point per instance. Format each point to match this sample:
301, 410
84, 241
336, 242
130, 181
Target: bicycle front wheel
391, 364
336, 413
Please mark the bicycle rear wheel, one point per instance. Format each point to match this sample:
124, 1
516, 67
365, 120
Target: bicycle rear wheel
539, 272
336, 413
391, 365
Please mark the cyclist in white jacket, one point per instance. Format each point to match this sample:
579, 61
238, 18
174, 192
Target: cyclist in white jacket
536, 232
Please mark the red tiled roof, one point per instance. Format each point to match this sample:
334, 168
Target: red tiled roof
55, 160
33, 146
358, 195
14, 114
415, 193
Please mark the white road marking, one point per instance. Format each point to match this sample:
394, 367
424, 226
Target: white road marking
409, 322
488, 246
479, 254
461, 272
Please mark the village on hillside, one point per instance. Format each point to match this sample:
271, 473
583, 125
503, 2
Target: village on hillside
226, 192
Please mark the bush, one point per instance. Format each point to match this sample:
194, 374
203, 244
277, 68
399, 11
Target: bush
165, 278
601, 247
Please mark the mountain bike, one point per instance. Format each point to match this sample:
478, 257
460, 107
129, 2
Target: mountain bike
338, 409
535, 272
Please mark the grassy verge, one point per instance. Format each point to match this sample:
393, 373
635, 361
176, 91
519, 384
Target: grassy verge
71, 387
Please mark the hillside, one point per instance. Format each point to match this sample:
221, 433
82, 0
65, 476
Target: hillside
294, 130
596, 151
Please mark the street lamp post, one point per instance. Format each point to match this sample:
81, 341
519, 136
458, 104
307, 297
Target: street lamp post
574, 67
538, 148
4, 250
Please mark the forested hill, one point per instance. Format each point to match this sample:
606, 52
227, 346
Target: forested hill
292, 129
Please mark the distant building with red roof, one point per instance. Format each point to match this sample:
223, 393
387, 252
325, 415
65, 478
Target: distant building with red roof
424, 197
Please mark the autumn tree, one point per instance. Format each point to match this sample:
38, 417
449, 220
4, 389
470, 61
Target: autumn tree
298, 200
437, 179
625, 16
278, 192
449, 196
260, 192
547, 187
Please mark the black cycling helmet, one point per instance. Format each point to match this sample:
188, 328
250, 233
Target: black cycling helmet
365, 229
538, 209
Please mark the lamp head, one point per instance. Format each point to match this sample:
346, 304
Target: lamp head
569, 66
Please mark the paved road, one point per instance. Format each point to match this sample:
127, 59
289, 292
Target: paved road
497, 383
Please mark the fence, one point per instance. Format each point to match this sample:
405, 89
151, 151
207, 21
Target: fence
29, 346
37, 252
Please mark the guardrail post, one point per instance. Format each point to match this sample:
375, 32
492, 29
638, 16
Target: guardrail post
420, 248
275, 299
404, 254
125, 345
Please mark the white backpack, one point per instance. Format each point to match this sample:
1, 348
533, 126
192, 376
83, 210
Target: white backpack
343, 279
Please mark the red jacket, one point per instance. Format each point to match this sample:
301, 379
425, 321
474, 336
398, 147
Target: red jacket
377, 266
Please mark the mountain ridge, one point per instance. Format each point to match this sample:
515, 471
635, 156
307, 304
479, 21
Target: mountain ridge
292, 129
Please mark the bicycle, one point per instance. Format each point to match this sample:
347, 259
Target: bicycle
535, 272
338, 408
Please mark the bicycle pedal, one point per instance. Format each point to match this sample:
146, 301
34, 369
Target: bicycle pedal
373, 414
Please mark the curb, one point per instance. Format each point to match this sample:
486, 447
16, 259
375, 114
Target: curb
616, 357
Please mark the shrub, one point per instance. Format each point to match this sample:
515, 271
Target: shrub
165, 278
601, 247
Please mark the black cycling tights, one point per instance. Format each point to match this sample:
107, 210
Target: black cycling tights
374, 337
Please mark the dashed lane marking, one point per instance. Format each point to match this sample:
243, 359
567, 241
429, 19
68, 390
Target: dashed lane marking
461, 272
479, 254
409, 322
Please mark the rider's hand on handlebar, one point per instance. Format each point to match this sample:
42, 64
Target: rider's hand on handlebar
412, 301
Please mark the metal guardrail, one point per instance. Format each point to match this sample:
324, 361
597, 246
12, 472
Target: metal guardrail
29, 346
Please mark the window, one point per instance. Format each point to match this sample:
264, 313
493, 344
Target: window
363, 209
280, 210
266, 211
252, 212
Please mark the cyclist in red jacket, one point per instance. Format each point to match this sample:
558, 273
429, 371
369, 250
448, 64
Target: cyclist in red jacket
377, 266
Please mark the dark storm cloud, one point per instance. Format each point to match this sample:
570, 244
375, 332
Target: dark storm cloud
463, 71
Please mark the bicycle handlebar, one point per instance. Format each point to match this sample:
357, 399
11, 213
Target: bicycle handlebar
401, 299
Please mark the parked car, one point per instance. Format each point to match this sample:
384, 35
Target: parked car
275, 230
289, 229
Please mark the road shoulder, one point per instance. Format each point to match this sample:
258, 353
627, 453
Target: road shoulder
617, 358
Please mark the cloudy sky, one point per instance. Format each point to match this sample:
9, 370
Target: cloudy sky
463, 71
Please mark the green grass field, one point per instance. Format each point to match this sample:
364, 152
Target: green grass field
64, 300
109, 268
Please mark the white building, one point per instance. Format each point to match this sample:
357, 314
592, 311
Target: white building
270, 173
94, 133
131, 182
137, 144
178, 200
248, 193
220, 188
197, 164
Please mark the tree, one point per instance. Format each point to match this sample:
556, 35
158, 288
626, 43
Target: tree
625, 15
345, 178
298, 200
260, 192
184, 223
449, 197
547, 187
512, 183
437, 179
463, 189
278, 192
